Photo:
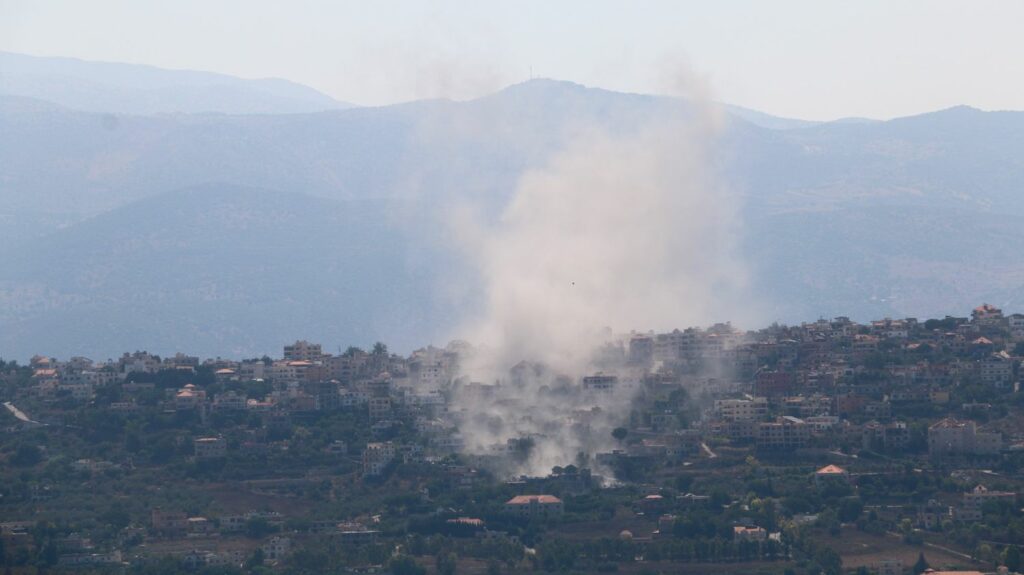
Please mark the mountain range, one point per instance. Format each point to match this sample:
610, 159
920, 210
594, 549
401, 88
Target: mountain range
229, 216
110, 87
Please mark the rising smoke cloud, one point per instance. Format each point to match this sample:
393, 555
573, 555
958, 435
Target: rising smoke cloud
624, 228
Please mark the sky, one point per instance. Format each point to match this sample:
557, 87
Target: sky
810, 59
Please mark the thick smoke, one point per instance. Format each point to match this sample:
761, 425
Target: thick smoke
623, 229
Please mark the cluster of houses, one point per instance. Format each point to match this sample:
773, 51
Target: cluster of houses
73, 550
833, 383
825, 385
302, 377
838, 383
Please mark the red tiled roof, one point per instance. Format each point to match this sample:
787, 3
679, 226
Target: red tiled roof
527, 499
831, 470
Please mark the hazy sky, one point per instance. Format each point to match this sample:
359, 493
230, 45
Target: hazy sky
809, 59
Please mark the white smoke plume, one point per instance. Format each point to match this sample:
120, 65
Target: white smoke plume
623, 229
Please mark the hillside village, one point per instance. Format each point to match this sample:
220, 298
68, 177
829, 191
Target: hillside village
833, 446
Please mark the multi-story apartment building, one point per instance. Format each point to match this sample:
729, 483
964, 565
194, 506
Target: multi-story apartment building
974, 501
377, 456
774, 383
783, 433
229, 400
641, 349
987, 315
753, 409
379, 407
169, 521
276, 548
894, 435
1016, 324
600, 383
996, 370
139, 362
303, 351
804, 406
951, 437
252, 370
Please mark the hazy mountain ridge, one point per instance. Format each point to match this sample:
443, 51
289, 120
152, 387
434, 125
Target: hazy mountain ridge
915, 216
223, 268
104, 160
767, 120
108, 87
890, 261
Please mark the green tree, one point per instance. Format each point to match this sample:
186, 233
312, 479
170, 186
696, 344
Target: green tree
257, 528
404, 565
830, 561
719, 498
920, 565
163, 449
116, 516
850, 509
132, 442
255, 560
49, 554
1011, 558
26, 455
446, 563
620, 433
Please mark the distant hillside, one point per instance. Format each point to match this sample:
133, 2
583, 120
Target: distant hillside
115, 88
223, 269
892, 261
768, 121
919, 215
54, 159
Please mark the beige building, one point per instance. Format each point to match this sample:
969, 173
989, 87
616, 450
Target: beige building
276, 548
229, 400
379, 407
974, 501
754, 409
951, 437
996, 370
534, 506
168, 521
987, 315
303, 351
783, 433
377, 456
189, 397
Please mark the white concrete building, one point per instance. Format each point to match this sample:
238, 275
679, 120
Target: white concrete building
753, 409
377, 456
